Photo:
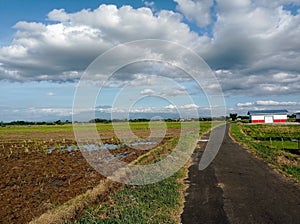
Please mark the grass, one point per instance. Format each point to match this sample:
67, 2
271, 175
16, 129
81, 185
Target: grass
292, 170
154, 203
269, 131
281, 144
100, 127
273, 152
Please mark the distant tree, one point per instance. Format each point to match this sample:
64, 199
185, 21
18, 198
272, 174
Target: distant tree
291, 115
20, 123
41, 123
205, 119
169, 120
58, 122
98, 120
233, 116
139, 120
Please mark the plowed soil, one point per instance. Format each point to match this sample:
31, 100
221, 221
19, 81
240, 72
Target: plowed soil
33, 181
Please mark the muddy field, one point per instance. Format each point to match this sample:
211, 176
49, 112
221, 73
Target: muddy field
43, 170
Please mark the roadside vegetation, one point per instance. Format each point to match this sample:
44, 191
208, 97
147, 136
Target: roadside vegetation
276, 144
156, 203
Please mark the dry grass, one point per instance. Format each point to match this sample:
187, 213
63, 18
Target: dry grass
71, 209
183, 190
282, 160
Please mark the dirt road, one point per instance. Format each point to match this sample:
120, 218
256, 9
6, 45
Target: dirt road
238, 188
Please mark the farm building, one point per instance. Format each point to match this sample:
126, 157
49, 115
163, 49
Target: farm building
267, 116
298, 116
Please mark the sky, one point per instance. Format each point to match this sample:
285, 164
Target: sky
251, 46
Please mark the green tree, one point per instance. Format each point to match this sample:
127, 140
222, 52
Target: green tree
233, 116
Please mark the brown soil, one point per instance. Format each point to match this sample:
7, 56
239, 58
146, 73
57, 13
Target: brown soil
48, 136
33, 181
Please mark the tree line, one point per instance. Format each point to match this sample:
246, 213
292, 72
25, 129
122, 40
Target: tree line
20, 123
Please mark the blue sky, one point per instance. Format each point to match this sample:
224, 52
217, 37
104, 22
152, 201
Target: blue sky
252, 47
13, 11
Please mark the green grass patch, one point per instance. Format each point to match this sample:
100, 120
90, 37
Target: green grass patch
292, 170
154, 203
281, 144
108, 126
271, 131
274, 152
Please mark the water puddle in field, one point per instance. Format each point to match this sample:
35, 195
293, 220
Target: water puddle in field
117, 156
106, 146
68, 148
142, 143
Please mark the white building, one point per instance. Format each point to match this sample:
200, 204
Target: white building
298, 116
268, 116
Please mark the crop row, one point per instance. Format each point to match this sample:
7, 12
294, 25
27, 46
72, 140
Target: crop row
271, 131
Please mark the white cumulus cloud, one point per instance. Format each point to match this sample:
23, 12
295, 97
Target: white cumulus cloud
254, 45
268, 103
56, 51
196, 10
147, 92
